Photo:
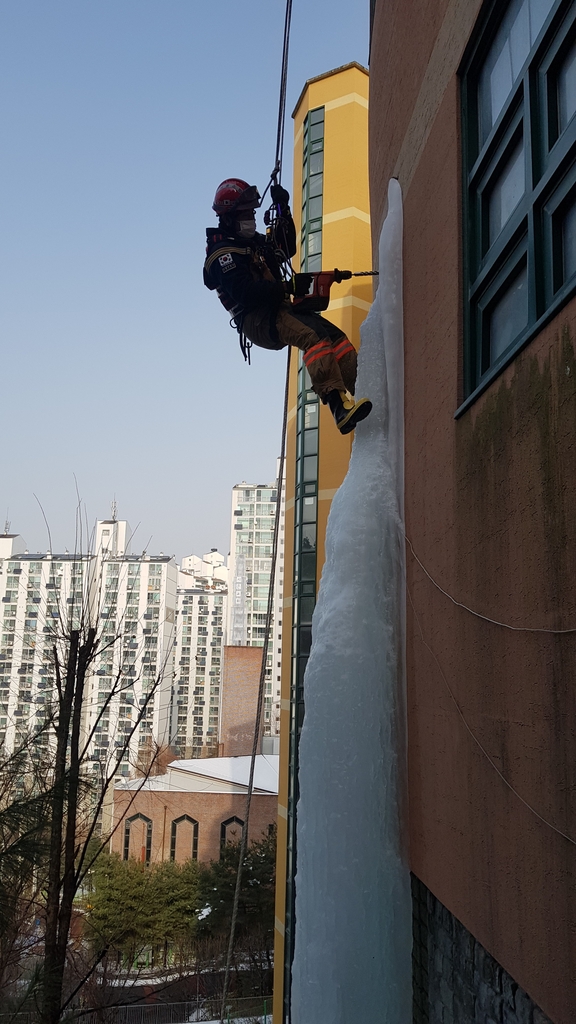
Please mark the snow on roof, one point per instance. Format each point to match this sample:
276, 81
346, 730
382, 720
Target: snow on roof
224, 771
154, 782
235, 770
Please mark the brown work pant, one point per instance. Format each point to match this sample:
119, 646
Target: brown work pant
328, 356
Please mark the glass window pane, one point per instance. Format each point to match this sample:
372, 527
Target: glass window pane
507, 56
509, 316
309, 537
317, 146
315, 225
315, 185
495, 80
520, 40
315, 163
302, 662
316, 115
309, 510
307, 566
306, 637
314, 243
314, 263
569, 242
310, 467
311, 416
311, 442
539, 11
315, 208
497, 84
567, 89
317, 130
507, 191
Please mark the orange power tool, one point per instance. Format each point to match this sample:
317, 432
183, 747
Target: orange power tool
318, 295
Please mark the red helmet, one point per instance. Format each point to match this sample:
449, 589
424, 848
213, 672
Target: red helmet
233, 194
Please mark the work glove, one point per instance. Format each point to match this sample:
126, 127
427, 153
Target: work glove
302, 283
279, 195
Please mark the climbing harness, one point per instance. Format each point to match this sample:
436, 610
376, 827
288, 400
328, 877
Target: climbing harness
245, 344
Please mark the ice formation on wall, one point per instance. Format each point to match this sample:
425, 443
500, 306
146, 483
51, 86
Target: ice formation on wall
353, 940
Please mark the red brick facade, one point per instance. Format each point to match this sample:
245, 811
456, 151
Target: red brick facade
209, 810
240, 679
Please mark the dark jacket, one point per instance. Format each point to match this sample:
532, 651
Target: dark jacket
245, 272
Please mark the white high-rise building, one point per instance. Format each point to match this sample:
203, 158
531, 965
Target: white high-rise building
136, 602
200, 639
250, 563
131, 600
41, 596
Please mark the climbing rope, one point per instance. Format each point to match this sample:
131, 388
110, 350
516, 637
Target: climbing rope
261, 691
275, 176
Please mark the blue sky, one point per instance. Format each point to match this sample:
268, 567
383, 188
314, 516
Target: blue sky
118, 118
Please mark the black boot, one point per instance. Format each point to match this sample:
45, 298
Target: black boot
347, 412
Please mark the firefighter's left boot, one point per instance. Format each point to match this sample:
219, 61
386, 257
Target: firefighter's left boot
347, 411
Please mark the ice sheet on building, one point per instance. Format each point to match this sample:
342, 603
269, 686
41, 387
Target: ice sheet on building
353, 906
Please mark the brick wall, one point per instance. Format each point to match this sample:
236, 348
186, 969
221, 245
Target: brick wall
456, 981
163, 807
239, 699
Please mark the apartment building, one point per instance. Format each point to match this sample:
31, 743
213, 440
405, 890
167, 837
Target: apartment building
200, 637
131, 600
250, 563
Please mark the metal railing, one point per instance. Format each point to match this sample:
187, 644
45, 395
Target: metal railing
241, 1011
246, 1010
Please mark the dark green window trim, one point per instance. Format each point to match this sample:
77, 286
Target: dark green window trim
312, 189
304, 600
174, 834
530, 235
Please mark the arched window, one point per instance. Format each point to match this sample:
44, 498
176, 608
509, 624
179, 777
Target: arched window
173, 833
234, 835
147, 848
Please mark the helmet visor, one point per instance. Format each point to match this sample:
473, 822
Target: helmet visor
249, 199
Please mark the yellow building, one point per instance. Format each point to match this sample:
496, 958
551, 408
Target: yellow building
331, 211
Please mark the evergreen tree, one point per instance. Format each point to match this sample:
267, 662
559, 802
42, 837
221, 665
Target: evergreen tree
134, 907
256, 906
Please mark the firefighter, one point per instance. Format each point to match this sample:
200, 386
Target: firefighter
244, 268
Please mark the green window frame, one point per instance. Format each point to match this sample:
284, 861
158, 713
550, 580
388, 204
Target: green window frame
303, 604
312, 190
518, 89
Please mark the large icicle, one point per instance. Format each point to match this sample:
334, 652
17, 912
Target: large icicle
352, 957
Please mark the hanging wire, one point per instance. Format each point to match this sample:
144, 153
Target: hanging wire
490, 760
479, 615
261, 691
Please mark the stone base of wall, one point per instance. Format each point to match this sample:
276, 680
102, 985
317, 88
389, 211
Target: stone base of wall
455, 979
